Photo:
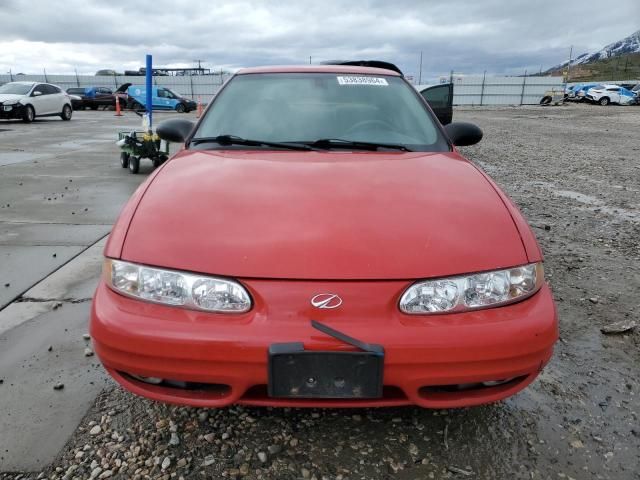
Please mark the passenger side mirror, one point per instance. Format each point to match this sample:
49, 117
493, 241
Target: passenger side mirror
175, 130
36, 93
463, 134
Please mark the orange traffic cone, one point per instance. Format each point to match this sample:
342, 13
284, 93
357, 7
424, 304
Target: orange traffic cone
118, 112
199, 111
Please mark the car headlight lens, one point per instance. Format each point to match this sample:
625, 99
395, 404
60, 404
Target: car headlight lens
171, 287
470, 292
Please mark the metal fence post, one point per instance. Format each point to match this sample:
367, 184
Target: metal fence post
11, 74
191, 82
77, 78
484, 76
46, 80
524, 81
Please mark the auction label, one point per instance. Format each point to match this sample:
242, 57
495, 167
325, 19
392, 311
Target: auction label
382, 82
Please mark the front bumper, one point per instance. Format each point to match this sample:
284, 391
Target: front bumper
17, 111
224, 357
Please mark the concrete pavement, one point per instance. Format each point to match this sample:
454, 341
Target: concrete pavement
61, 188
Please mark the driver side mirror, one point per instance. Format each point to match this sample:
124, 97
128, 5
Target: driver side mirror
36, 93
463, 134
175, 130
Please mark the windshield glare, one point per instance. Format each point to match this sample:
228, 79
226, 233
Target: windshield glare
304, 107
15, 88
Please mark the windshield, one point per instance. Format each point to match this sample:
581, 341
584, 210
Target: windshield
16, 88
175, 95
305, 107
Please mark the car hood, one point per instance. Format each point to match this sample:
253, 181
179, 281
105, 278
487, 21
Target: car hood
322, 215
10, 96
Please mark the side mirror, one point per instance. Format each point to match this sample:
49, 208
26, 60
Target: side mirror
175, 130
463, 134
36, 93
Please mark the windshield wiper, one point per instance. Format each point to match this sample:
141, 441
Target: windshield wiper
327, 143
235, 140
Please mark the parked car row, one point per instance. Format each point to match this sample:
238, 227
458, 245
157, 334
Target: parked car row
130, 96
28, 100
604, 94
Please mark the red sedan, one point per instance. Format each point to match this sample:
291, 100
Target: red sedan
319, 241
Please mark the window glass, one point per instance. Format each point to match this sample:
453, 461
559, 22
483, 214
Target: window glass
437, 96
304, 107
15, 88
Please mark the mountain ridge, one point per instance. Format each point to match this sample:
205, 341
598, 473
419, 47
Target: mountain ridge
627, 45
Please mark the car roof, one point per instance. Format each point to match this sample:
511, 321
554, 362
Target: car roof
24, 82
352, 69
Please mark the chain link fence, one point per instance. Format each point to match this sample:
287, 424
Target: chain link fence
500, 90
468, 89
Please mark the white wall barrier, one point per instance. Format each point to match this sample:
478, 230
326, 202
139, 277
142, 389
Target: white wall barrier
468, 90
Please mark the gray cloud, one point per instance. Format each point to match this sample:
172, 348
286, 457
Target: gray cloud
506, 36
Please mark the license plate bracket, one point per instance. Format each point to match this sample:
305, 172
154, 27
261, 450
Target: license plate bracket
298, 373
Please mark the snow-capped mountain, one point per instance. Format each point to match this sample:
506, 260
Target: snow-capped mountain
630, 44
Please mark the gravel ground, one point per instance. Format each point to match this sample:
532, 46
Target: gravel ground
575, 173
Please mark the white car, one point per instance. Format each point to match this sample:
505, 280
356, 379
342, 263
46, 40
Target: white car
28, 100
606, 94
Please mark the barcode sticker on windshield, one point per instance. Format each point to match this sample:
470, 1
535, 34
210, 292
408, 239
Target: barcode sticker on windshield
382, 82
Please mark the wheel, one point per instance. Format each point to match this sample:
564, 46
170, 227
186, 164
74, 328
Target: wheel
29, 114
546, 100
124, 159
137, 107
66, 113
180, 108
134, 164
604, 101
93, 107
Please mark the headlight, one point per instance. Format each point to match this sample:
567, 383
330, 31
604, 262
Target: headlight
170, 287
470, 292
8, 105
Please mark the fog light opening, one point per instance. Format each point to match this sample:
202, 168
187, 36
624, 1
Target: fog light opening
151, 380
495, 383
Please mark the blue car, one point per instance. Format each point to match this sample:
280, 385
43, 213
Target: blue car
581, 92
162, 97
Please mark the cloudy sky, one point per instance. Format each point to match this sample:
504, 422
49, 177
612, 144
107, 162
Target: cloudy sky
468, 36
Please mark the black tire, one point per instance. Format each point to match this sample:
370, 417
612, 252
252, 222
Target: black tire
180, 108
66, 113
546, 100
93, 107
29, 114
604, 101
134, 164
137, 107
124, 159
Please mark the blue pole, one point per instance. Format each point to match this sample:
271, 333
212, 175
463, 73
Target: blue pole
149, 75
